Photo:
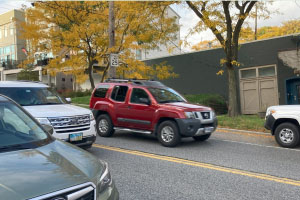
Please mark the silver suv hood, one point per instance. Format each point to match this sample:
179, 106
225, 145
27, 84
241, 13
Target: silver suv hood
30, 173
60, 110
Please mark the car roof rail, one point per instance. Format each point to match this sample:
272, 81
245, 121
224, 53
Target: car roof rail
134, 81
116, 80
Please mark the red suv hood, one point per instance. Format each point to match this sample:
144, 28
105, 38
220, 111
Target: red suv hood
187, 106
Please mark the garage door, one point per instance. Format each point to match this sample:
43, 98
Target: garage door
258, 89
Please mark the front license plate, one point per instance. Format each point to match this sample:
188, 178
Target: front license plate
208, 129
75, 137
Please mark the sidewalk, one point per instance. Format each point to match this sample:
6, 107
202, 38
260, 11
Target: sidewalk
243, 132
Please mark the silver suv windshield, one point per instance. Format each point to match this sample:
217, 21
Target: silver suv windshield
18, 130
32, 96
166, 95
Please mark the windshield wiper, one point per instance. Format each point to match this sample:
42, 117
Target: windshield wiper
46, 104
170, 101
14, 147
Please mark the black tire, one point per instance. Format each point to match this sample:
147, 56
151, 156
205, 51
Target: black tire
202, 137
109, 131
291, 139
173, 138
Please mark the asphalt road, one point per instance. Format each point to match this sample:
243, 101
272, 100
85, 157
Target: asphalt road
226, 166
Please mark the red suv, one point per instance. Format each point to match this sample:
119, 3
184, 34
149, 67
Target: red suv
149, 107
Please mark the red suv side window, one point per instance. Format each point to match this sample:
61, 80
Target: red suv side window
101, 91
136, 94
119, 93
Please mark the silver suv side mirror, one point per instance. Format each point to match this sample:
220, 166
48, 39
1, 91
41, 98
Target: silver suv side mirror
48, 128
69, 100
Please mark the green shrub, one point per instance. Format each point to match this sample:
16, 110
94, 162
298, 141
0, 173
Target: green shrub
73, 94
215, 101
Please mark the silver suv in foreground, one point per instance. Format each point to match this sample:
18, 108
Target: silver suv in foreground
36, 166
71, 123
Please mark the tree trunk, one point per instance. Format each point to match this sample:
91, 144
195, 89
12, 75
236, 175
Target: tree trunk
91, 75
233, 110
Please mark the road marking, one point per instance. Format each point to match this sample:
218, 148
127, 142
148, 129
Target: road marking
253, 144
202, 165
244, 133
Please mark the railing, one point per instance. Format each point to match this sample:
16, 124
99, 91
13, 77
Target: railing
10, 64
13, 64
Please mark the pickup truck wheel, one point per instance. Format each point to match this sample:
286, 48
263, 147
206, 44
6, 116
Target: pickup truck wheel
168, 134
287, 135
104, 126
202, 137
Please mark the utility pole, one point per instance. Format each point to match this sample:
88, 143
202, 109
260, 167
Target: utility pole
255, 28
111, 32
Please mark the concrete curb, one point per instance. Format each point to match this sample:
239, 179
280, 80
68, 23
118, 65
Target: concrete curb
242, 131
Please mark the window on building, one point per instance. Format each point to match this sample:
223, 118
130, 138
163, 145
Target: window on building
266, 71
249, 73
7, 50
11, 30
5, 32
0, 33
139, 54
12, 48
119, 93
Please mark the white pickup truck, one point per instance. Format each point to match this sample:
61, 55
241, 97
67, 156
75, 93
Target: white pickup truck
70, 123
283, 121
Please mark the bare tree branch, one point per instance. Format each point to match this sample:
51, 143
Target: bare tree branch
205, 20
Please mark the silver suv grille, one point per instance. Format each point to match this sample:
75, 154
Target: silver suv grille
85, 191
70, 124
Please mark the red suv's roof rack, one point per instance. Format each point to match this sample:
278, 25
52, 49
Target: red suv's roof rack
145, 82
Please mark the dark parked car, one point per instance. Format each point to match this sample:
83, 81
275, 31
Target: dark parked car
36, 166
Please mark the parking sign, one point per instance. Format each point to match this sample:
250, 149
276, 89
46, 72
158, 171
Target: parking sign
114, 60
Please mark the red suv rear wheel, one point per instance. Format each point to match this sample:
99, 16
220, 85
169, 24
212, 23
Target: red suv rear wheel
104, 126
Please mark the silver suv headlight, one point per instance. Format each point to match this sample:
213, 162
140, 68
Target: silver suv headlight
190, 115
43, 121
105, 179
92, 118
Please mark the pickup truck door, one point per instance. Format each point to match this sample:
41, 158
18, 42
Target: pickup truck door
140, 111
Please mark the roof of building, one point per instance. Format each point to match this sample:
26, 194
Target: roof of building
250, 42
24, 84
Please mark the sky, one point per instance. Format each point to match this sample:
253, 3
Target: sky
289, 9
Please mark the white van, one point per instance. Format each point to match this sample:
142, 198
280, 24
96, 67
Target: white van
70, 123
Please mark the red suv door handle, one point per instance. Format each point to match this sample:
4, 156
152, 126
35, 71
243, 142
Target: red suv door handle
129, 107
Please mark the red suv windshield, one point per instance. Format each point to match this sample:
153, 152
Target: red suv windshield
166, 95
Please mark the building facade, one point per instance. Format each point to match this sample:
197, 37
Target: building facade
172, 47
268, 75
10, 42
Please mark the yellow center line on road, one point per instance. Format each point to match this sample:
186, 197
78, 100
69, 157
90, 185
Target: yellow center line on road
244, 133
202, 165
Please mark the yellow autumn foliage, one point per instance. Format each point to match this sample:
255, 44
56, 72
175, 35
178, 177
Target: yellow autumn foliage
79, 29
